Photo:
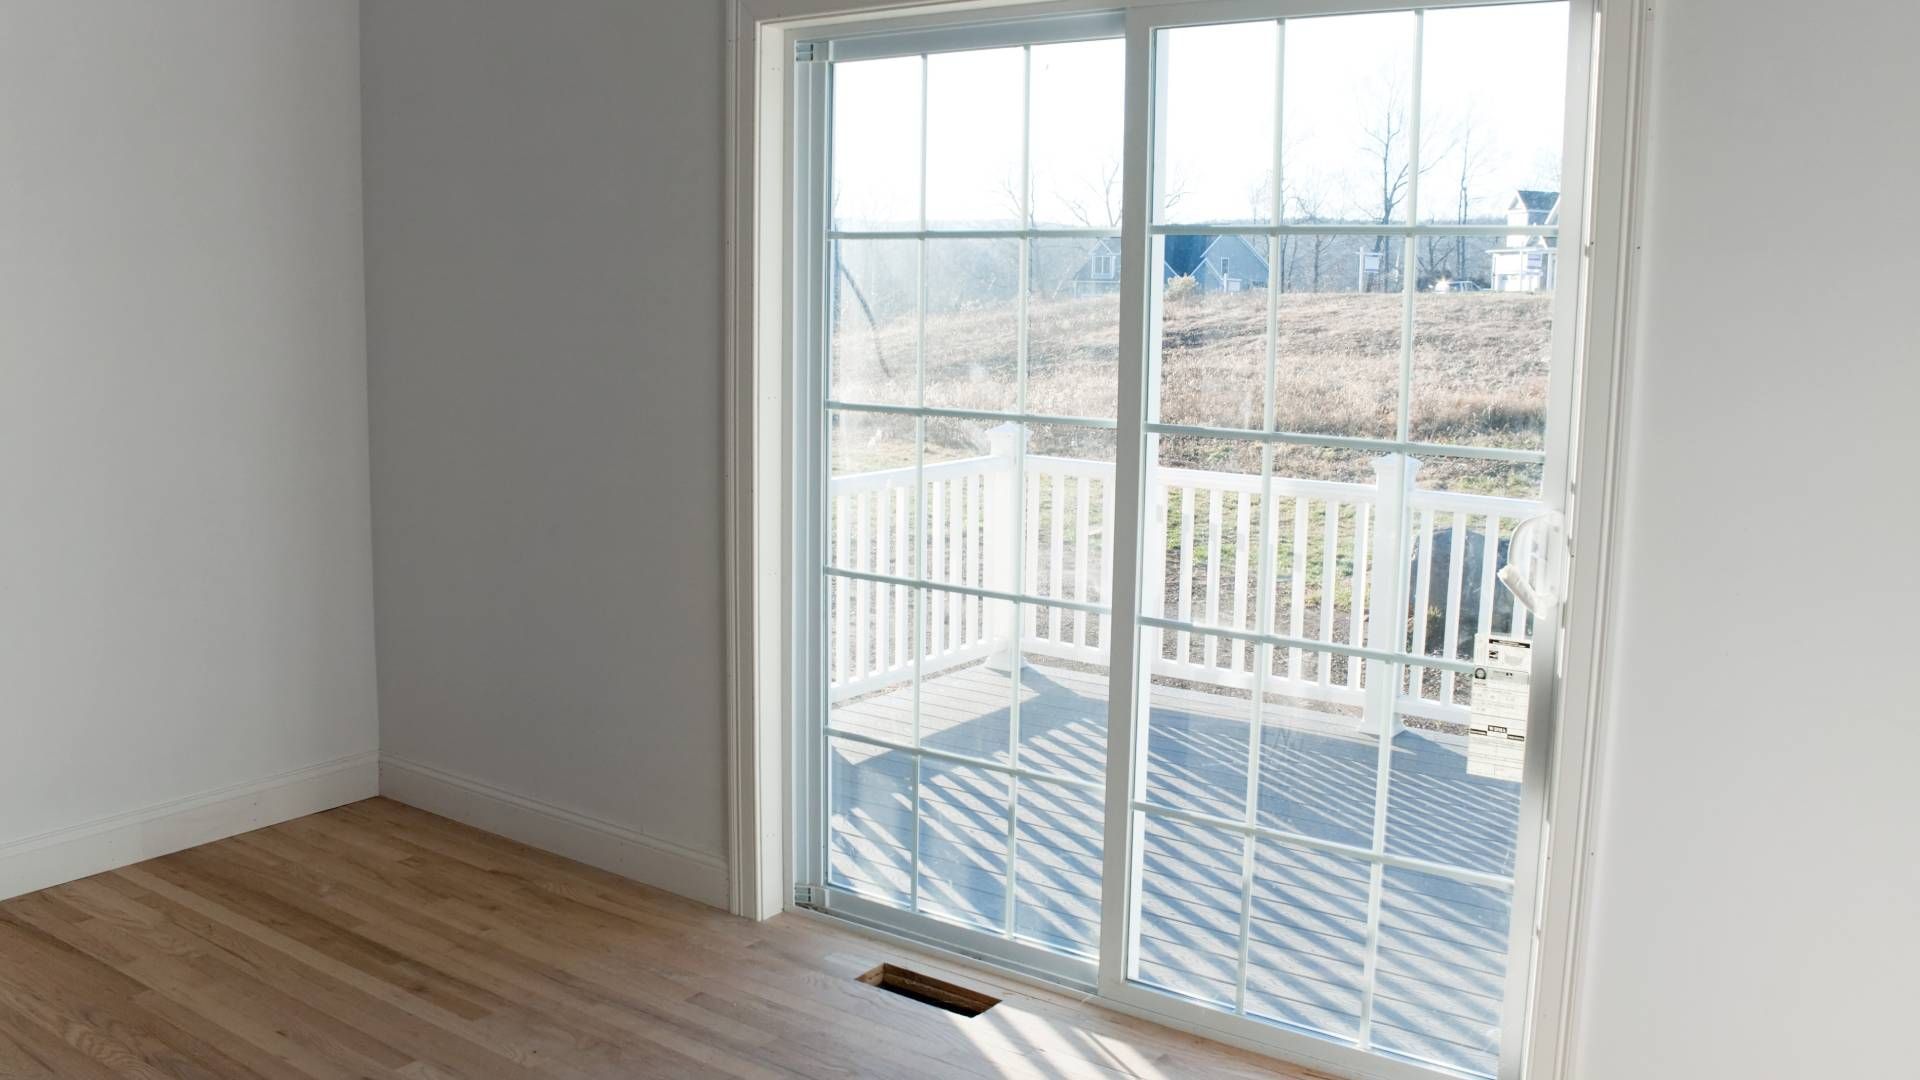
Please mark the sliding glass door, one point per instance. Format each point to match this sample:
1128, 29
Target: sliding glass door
1175, 386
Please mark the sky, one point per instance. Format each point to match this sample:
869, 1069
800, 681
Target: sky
1492, 95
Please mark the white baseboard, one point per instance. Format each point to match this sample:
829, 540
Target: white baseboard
614, 848
94, 847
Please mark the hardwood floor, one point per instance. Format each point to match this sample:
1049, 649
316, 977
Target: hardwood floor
377, 940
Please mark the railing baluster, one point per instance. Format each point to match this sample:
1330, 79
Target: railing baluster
1082, 552
1210, 653
901, 601
1489, 561
1239, 612
882, 594
1360, 607
937, 566
863, 590
1329, 566
1297, 610
1516, 614
1057, 541
1456, 563
1184, 596
840, 623
1417, 677
964, 544
1105, 575
1030, 571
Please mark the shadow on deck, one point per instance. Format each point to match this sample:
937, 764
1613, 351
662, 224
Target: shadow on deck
1442, 949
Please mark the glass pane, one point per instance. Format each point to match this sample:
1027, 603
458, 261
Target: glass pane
870, 644
1484, 143
1341, 313
968, 489
1442, 970
963, 843
1063, 693
1219, 122
1187, 939
1069, 493
876, 144
1349, 89
1203, 544
1439, 812
1078, 95
1056, 900
1482, 338
1457, 599
1213, 331
966, 678
1198, 737
870, 495
874, 289
974, 105
973, 324
1319, 759
870, 826
1326, 535
1307, 939
1073, 327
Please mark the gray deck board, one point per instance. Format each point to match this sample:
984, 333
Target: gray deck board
1442, 942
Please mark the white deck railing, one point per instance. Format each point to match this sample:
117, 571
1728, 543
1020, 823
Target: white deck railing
1322, 570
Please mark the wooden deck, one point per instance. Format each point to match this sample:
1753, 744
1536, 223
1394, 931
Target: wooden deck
1442, 942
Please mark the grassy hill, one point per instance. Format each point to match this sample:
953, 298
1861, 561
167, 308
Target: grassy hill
1480, 376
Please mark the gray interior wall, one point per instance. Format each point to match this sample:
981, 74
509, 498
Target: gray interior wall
185, 598
1756, 878
543, 201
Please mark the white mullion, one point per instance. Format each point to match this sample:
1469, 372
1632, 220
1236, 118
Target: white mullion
1050, 233
1265, 585
963, 590
1020, 473
1336, 442
1370, 228
919, 487
1383, 770
1354, 852
1120, 851
968, 761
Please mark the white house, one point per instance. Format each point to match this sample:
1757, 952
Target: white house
1526, 263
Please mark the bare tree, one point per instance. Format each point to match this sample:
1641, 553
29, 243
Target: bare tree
1385, 141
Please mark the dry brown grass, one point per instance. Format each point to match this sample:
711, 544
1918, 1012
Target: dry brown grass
1480, 375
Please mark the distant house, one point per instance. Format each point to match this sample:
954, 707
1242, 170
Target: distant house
1100, 273
1525, 263
1217, 264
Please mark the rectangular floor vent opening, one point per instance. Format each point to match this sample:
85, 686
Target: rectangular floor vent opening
928, 990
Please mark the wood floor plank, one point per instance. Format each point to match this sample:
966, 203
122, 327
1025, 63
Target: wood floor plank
377, 940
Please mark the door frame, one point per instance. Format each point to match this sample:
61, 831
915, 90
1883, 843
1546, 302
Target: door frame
760, 399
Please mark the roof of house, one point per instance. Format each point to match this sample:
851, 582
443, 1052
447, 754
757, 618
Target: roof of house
1185, 253
1539, 201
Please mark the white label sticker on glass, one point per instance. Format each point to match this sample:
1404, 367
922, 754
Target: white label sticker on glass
1497, 730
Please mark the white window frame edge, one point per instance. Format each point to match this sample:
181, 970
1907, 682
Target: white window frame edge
757, 400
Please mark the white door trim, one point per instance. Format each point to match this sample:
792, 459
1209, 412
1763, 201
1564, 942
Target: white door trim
759, 510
